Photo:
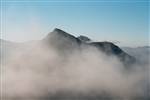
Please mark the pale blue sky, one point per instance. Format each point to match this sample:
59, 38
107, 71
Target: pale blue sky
126, 21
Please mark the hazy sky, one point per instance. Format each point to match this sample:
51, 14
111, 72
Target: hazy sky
125, 21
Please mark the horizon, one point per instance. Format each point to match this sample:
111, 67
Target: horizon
126, 21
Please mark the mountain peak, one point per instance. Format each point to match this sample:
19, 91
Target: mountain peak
60, 38
58, 30
56, 33
61, 33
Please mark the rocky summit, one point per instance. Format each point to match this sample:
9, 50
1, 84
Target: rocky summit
66, 42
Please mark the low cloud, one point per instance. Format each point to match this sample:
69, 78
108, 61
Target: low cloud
38, 71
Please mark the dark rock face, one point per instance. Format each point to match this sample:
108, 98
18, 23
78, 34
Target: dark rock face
111, 49
63, 41
59, 37
66, 43
84, 38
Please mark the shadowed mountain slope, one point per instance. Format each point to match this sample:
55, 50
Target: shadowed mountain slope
67, 43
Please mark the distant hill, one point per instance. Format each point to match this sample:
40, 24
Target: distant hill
140, 53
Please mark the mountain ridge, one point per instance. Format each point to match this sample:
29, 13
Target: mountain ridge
64, 41
65, 44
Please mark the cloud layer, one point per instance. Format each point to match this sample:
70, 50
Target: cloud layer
38, 71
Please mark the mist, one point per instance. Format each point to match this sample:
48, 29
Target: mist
37, 71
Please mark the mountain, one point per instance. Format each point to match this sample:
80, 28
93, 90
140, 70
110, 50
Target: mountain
59, 66
84, 38
111, 49
66, 43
